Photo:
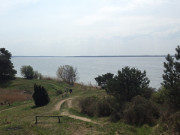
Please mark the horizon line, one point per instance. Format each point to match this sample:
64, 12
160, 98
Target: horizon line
99, 56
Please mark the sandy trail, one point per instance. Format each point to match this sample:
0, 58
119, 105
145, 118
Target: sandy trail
57, 107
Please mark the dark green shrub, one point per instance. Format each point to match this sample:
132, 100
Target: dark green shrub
88, 105
94, 106
40, 96
173, 122
59, 92
147, 92
117, 111
140, 111
104, 106
160, 96
169, 124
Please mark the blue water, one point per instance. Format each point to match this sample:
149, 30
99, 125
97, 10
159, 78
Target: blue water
90, 67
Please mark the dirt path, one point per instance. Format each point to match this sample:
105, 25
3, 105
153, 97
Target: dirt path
57, 107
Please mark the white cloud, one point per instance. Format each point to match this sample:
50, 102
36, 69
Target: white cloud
131, 5
116, 20
8, 5
109, 26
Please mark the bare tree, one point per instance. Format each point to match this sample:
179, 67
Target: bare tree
67, 73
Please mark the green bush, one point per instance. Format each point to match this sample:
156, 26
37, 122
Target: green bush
88, 105
169, 124
117, 111
59, 92
40, 96
147, 92
104, 106
140, 111
27, 72
160, 96
94, 106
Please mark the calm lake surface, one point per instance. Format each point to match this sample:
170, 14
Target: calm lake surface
90, 67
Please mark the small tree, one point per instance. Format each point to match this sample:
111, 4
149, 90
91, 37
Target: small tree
128, 83
27, 72
103, 80
171, 79
67, 73
40, 96
6, 66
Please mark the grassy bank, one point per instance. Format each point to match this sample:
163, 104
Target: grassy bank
19, 117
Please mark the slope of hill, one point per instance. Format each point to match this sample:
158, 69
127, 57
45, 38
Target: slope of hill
18, 118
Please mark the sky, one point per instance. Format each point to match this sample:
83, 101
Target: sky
89, 27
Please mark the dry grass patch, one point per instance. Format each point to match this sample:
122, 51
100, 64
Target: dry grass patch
10, 96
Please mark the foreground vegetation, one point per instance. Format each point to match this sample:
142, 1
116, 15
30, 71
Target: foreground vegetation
19, 117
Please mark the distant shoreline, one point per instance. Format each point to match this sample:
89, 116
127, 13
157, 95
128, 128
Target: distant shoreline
101, 56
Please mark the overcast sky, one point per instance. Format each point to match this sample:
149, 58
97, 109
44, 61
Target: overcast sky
89, 27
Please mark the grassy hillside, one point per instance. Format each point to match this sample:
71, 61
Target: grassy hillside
19, 117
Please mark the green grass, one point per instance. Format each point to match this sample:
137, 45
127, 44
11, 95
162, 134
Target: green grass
20, 119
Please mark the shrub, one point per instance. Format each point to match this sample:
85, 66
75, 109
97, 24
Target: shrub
94, 106
59, 92
104, 107
88, 105
27, 72
160, 96
147, 92
117, 110
40, 95
169, 124
140, 111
